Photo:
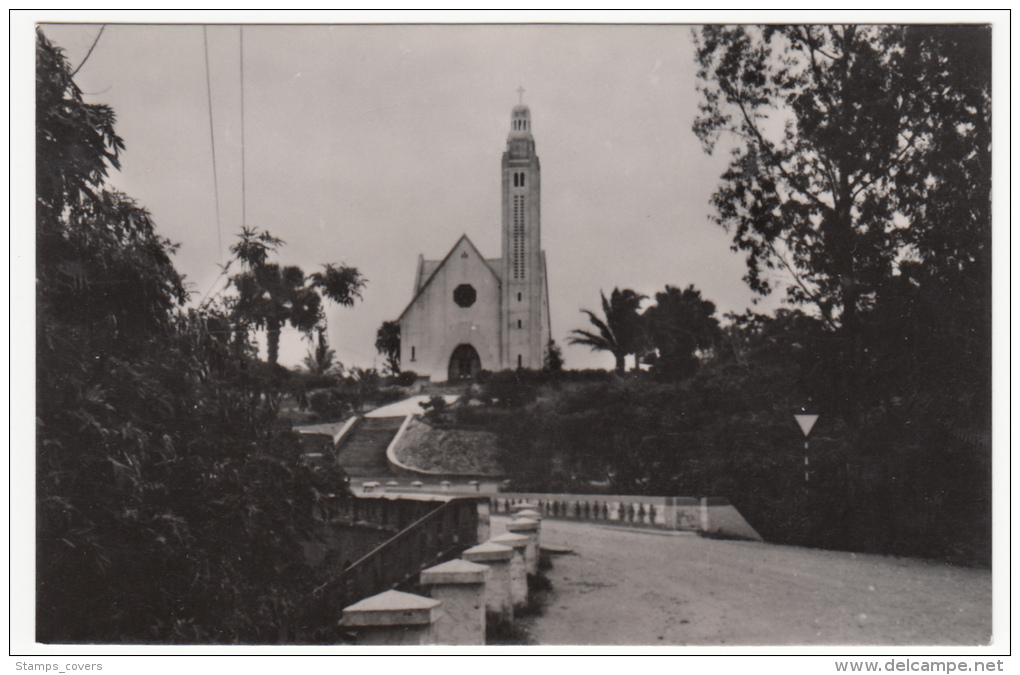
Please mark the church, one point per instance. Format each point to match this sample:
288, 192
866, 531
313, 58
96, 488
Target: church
470, 313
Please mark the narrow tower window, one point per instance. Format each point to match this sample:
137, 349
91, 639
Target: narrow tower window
522, 180
412, 352
518, 237
520, 361
515, 180
519, 325
518, 297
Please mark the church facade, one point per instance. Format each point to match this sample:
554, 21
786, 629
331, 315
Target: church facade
470, 313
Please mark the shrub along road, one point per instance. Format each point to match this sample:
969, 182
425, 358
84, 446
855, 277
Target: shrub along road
625, 587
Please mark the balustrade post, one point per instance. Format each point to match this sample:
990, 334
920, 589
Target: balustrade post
393, 618
498, 598
528, 513
484, 510
530, 529
460, 586
518, 565
522, 506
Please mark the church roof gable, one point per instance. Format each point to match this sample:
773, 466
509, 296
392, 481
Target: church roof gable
435, 271
425, 272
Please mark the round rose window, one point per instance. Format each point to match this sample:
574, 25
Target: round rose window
464, 295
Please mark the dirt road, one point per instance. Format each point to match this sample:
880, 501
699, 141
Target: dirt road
623, 587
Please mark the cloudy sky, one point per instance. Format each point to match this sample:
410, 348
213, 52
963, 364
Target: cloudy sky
372, 144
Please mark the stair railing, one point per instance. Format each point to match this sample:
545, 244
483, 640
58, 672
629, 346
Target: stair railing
439, 535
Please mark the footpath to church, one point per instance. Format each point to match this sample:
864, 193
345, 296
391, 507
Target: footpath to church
625, 587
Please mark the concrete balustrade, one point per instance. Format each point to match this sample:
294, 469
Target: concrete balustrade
522, 506
394, 618
518, 565
499, 558
460, 585
528, 528
529, 513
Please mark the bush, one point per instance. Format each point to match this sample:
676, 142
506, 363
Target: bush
510, 389
329, 404
436, 411
388, 395
909, 489
406, 378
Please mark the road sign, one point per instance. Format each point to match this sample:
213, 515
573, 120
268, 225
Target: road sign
806, 422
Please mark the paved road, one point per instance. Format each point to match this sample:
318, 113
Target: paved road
623, 587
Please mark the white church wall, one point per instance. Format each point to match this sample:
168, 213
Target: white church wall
434, 325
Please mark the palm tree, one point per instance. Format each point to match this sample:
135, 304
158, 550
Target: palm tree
620, 332
322, 359
679, 325
270, 296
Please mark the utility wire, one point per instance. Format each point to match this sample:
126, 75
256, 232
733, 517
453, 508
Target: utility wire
101, 29
212, 141
244, 218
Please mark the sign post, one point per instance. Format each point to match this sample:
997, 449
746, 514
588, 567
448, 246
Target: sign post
806, 422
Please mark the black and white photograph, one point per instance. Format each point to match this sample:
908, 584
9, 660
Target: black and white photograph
453, 335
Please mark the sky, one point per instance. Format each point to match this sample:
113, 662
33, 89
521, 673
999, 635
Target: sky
368, 145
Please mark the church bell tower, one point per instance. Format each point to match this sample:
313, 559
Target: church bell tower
525, 314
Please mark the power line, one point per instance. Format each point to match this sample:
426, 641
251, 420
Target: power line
212, 140
244, 218
94, 42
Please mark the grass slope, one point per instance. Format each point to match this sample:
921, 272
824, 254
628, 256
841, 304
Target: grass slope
450, 451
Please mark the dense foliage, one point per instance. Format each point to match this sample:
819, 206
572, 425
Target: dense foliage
861, 173
171, 501
321, 359
679, 327
552, 361
860, 185
728, 430
387, 343
270, 296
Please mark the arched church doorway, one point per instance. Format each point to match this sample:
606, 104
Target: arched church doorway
465, 363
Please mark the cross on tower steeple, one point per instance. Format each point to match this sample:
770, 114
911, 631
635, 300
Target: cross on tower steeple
520, 95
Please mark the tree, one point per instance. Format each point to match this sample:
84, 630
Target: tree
387, 343
857, 150
159, 452
270, 296
620, 332
678, 326
322, 359
553, 361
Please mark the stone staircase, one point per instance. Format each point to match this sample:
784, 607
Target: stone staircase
362, 451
